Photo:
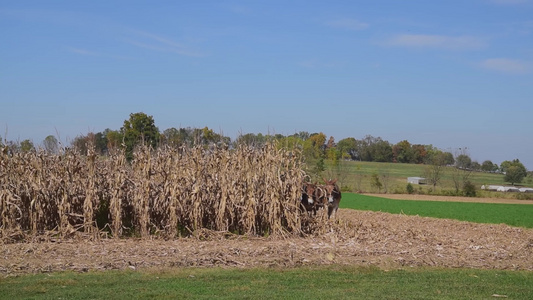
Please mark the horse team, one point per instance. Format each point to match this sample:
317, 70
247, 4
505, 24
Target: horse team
315, 197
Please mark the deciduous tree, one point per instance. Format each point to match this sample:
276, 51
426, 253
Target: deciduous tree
139, 128
114, 139
331, 143
375, 149
475, 166
303, 135
515, 171
382, 151
26, 146
462, 170
403, 152
435, 169
463, 161
291, 142
419, 154
51, 145
80, 144
314, 146
251, 139
101, 142
348, 148
206, 136
489, 166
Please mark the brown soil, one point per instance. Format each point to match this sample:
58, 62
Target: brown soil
358, 238
451, 199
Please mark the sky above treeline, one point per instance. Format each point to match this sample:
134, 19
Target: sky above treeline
454, 74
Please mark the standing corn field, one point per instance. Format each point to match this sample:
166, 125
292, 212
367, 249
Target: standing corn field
166, 192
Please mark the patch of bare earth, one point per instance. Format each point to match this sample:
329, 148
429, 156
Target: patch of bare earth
359, 238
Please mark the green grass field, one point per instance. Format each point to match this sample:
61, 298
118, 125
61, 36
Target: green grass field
334, 282
511, 214
356, 176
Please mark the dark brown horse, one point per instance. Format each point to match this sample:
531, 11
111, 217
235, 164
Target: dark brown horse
308, 200
333, 196
314, 197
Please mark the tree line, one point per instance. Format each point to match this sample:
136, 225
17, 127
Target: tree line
316, 147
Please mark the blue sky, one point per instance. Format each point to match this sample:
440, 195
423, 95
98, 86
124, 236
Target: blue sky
453, 74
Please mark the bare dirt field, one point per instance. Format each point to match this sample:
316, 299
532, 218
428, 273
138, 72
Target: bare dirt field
360, 238
451, 199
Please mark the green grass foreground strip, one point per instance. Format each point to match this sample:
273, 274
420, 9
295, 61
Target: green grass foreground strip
511, 214
333, 282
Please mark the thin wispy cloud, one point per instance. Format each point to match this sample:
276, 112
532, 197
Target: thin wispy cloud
509, 2
347, 24
308, 64
436, 41
83, 51
316, 64
86, 52
158, 43
239, 9
505, 65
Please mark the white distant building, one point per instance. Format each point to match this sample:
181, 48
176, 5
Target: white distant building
508, 189
416, 180
491, 187
501, 188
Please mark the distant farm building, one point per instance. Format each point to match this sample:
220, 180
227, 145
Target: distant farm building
416, 180
493, 188
501, 188
508, 189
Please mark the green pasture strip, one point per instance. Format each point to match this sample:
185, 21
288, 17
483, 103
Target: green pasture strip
511, 214
347, 171
332, 282
369, 168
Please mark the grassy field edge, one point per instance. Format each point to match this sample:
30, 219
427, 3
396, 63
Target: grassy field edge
495, 213
294, 283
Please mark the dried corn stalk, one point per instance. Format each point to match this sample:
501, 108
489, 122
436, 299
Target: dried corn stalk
165, 192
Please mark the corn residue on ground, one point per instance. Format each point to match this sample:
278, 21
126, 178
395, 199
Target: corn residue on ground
356, 238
